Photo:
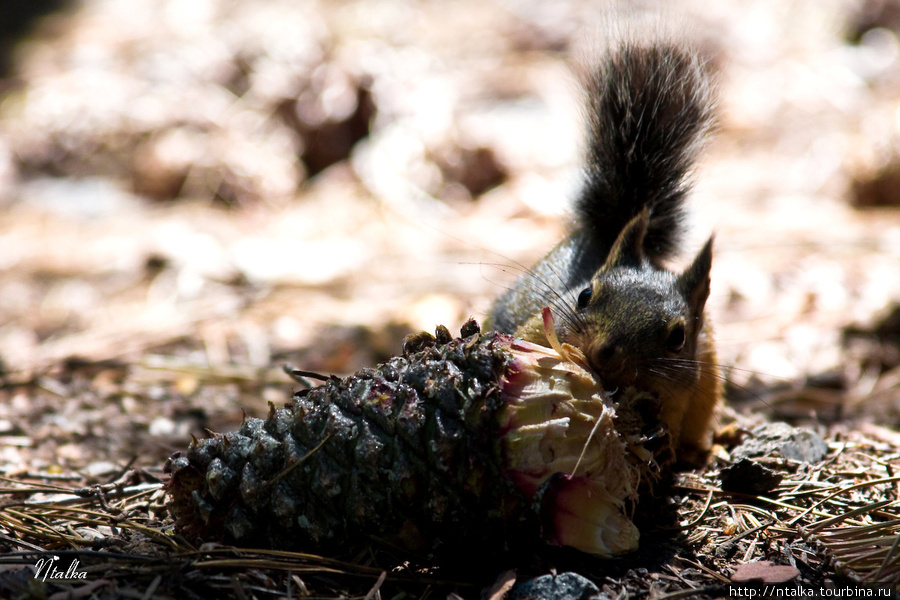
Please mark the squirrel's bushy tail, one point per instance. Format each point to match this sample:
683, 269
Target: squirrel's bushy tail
650, 105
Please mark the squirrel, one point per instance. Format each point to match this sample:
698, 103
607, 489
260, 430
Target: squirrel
650, 106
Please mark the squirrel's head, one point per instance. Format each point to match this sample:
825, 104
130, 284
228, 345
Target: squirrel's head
638, 325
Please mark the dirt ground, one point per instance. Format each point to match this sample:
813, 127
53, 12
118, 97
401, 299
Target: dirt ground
193, 194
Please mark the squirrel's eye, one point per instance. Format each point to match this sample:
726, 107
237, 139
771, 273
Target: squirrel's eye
584, 297
675, 341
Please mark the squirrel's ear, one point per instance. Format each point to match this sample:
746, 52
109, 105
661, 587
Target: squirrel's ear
694, 282
628, 250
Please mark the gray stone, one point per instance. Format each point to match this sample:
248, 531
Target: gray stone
565, 586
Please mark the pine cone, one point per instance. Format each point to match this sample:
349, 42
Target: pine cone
482, 442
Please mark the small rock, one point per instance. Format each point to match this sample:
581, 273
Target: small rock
566, 586
793, 443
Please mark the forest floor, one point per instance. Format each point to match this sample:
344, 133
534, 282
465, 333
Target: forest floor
193, 194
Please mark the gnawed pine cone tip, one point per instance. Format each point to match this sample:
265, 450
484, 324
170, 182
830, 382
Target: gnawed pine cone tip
475, 444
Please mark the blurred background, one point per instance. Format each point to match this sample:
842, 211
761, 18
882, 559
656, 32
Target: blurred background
194, 192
